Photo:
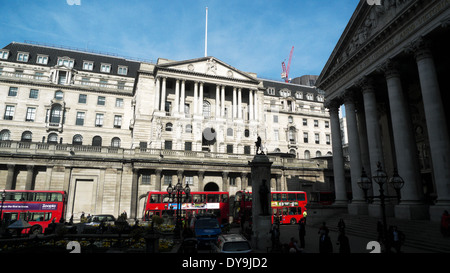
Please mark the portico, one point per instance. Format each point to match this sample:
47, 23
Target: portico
389, 69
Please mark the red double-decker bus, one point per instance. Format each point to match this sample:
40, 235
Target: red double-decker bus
287, 206
196, 203
38, 208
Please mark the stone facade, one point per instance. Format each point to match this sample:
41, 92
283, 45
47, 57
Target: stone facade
107, 130
389, 70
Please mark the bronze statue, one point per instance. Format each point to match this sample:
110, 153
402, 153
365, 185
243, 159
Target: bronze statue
258, 146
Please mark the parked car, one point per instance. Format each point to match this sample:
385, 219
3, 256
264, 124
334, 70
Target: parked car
206, 230
231, 243
96, 219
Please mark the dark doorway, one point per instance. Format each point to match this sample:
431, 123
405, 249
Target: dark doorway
211, 186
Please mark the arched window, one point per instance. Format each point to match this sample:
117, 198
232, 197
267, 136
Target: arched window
168, 127
277, 150
230, 132
26, 136
292, 151
206, 109
52, 138
291, 133
188, 128
307, 154
318, 154
59, 95
97, 141
5, 134
115, 142
77, 140
56, 113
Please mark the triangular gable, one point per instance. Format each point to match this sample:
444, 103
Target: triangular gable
209, 66
366, 22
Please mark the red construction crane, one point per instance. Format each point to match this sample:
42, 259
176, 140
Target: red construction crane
285, 73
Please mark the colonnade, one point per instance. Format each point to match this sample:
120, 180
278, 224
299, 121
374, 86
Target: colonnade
198, 98
365, 136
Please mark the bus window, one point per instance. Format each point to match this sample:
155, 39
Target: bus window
224, 198
300, 196
283, 197
165, 198
291, 197
285, 211
275, 197
213, 198
55, 197
155, 198
293, 211
199, 198
9, 217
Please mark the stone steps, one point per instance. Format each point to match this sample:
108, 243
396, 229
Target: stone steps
421, 234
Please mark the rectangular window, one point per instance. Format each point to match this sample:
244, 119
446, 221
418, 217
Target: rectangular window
275, 119
9, 112
34, 93
39, 76
189, 180
101, 100
82, 98
22, 57
12, 91
41, 59
168, 145
328, 139
305, 137
119, 102
229, 148
121, 85
80, 118
117, 121
4, 54
99, 120
103, 83
317, 138
167, 179
316, 123
305, 122
31, 114
84, 81
146, 179
66, 62
88, 65
188, 146
106, 68
123, 70
327, 124
247, 150
276, 135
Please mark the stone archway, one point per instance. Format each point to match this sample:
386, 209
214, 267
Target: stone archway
211, 186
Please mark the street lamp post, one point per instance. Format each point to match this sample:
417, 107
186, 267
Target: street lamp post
177, 192
380, 177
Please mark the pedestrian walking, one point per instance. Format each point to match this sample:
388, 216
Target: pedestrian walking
302, 232
343, 242
275, 236
341, 225
445, 224
397, 238
325, 245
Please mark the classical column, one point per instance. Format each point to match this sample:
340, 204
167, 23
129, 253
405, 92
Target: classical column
405, 148
134, 194
10, 177
240, 103
234, 103
29, 181
195, 98
222, 103
278, 182
250, 104
158, 179
200, 100
338, 156
373, 129
163, 95
358, 205
217, 101
157, 91
225, 181
177, 97
362, 130
255, 107
183, 91
201, 176
436, 124
244, 182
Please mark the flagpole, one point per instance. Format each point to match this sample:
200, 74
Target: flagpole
206, 34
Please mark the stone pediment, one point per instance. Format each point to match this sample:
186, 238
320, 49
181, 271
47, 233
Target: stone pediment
366, 23
208, 66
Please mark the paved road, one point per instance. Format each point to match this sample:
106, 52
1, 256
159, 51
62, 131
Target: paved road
357, 244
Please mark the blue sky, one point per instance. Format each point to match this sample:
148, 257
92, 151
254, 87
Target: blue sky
253, 36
